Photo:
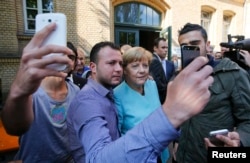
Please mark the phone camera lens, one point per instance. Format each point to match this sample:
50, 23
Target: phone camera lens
49, 20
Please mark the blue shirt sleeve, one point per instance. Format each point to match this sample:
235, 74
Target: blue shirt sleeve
141, 144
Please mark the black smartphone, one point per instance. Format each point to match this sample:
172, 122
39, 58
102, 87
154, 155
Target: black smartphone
188, 54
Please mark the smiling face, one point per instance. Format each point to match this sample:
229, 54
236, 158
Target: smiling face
81, 60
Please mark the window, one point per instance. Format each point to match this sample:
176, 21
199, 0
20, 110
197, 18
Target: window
226, 26
206, 20
135, 13
32, 8
127, 37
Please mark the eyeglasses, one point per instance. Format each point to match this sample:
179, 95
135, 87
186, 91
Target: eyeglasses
72, 57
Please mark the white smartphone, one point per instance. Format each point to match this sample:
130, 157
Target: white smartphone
213, 138
188, 54
57, 37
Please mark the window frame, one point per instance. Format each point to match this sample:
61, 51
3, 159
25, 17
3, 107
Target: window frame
39, 9
148, 9
206, 20
226, 24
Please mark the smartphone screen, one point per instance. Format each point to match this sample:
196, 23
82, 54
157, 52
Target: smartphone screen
188, 54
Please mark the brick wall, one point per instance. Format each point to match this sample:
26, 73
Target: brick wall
92, 21
190, 12
8, 69
8, 44
88, 22
8, 27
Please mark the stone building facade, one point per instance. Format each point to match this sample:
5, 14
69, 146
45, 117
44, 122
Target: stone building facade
91, 21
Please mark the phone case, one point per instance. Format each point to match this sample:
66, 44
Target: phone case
188, 54
213, 138
219, 132
57, 37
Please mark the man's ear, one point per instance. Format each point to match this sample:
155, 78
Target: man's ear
208, 46
155, 48
92, 67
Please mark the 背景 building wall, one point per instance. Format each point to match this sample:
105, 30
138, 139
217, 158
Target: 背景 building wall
91, 21
190, 11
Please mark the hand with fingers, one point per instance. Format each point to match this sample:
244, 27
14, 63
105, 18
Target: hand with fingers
191, 86
230, 140
246, 55
33, 66
33, 69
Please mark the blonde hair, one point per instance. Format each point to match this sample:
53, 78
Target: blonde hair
136, 54
125, 47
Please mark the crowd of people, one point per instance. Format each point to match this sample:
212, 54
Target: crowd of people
128, 104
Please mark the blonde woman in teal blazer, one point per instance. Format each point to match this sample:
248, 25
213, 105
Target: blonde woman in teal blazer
137, 96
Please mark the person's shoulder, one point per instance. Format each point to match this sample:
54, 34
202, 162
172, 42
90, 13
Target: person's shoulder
227, 60
79, 81
151, 84
87, 97
155, 62
92, 91
170, 62
86, 105
119, 89
227, 64
72, 85
231, 70
155, 57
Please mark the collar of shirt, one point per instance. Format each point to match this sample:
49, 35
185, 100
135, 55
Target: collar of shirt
70, 77
100, 89
110, 95
211, 61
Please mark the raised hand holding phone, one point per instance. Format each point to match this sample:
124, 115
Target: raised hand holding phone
57, 37
188, 54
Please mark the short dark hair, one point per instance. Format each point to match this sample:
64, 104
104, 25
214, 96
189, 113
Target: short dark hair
73, 48
193, 27
97, 47
157, 40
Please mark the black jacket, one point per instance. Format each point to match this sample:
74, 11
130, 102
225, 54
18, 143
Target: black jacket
228, 107
79, 81
157, 72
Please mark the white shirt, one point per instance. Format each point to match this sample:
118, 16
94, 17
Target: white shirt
163, 62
